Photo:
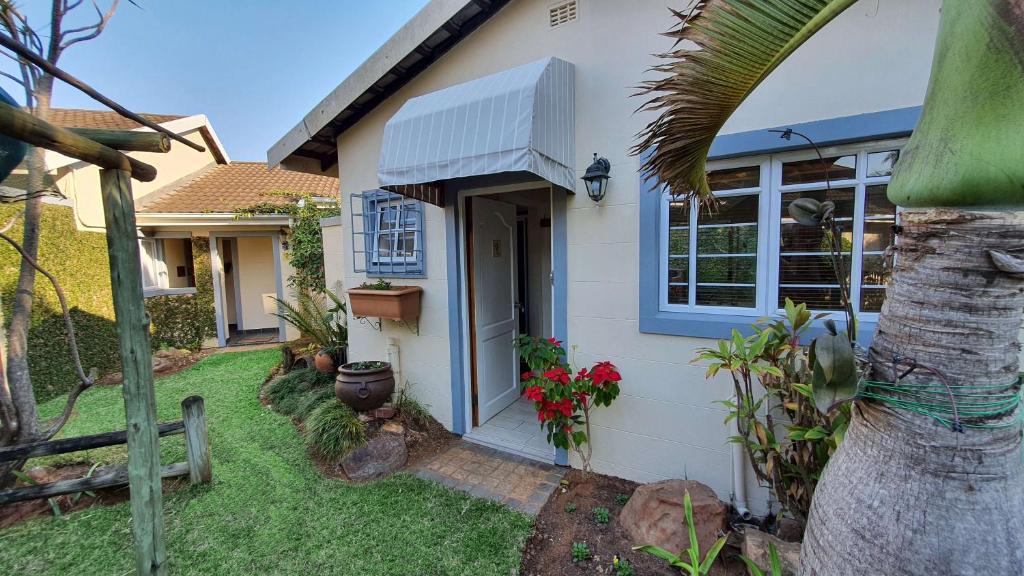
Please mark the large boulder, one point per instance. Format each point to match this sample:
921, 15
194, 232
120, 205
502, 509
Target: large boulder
655, 515
755, 547
378, 457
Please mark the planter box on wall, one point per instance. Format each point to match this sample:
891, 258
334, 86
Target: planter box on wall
397, 303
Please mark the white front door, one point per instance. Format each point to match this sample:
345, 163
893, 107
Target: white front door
496, 320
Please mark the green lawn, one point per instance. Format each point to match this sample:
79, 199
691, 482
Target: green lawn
268, 511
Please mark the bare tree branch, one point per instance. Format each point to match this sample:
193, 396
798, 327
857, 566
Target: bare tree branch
84, 380
14, 78
95, 30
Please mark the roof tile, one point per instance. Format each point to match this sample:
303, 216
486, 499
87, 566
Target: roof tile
227, 188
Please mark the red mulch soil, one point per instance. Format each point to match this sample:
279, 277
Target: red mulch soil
12, 514
549, 550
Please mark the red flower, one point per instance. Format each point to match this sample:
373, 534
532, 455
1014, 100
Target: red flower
582, 374
581, 396
565, 407
567, 429
526, 376
535, 393
555, 341
605, 372
557, 374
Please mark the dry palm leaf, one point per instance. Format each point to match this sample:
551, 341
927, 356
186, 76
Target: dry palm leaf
723, 50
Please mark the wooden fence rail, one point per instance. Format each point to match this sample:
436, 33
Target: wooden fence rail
198, 466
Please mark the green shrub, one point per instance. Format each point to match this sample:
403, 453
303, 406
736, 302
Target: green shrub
79, 261
312, 400
601, 515
288, 392
186, 320
333, 429
411, 408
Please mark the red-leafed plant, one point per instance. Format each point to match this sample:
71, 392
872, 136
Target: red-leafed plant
564, 401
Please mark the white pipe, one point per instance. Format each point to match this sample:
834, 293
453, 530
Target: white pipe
739, 466
394, 357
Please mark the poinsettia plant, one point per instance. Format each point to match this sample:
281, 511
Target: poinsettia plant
564, 400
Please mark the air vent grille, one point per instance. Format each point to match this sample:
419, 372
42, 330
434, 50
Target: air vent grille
562, 13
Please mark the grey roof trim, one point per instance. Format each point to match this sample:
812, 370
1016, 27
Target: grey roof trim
434, 30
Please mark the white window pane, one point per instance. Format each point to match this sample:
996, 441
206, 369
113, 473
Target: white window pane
150, 272
727, 252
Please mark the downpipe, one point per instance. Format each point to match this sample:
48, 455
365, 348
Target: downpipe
739, 485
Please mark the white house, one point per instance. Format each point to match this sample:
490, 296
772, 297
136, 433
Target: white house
460, 144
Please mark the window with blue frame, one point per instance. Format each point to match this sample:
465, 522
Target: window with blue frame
387, 234
739, 257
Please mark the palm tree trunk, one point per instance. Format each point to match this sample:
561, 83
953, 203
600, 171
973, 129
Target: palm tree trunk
904, 494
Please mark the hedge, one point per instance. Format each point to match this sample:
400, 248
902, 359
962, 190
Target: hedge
186, 321
79, 261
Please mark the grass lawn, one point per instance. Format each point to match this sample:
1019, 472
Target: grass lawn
268, 511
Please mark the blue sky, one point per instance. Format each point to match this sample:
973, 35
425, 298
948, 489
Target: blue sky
254, 67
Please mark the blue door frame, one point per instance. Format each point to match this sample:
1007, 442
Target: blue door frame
459, 357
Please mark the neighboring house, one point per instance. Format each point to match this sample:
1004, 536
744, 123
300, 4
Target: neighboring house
462, 140
195, 196
247, 255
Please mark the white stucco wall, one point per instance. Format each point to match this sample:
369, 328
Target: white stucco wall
874, 57
255, 279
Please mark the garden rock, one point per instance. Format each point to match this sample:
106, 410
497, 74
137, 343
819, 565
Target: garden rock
378, 457
790, 530
755, 547
655, 515
40, 474
393, 428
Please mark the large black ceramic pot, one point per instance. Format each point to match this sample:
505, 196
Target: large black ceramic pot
364, 386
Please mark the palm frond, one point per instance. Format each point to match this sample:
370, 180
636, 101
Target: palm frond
318, 316
724, 49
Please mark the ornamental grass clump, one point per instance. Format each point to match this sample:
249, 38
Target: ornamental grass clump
565, 401
333, 429
289, 394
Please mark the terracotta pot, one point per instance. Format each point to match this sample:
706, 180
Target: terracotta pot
364, 390
398, 303
324, 362
302, 362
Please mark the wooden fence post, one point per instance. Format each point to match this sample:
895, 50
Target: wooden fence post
137, 369
197, 443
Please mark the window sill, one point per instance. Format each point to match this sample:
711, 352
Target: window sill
705, 325
149, 293
410, 275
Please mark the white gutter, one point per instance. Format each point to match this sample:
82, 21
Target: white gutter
209, 219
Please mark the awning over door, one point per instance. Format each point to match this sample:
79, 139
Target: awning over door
518, 120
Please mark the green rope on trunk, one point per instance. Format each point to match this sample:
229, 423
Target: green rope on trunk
949, 405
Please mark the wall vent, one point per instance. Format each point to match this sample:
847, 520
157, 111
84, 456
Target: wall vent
562, 13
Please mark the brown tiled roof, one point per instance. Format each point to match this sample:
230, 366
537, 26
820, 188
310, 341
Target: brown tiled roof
106, 119
227, 188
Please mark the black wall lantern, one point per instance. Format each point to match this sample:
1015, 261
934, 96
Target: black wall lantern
597, 177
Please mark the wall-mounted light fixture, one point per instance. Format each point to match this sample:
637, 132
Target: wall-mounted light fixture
597, 177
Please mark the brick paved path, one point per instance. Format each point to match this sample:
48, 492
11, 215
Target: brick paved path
517, 482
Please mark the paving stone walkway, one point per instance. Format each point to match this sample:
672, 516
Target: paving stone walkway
519, 483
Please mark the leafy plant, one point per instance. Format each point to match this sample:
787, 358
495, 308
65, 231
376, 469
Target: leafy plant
320, 316
570, 507
771, 364
773, 563
53, 502
696, 566
410, 408
564, 402
380, 284
601, 515
622, 567
312, 400
333, 429
365, 365
580, 552
621, 499
305, 240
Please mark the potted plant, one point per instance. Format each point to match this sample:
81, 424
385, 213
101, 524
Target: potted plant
320, 317
382, 300
365, 385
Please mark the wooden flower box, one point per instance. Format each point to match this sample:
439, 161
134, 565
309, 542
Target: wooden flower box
395, 303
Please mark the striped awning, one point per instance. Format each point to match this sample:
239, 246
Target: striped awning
518, 120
